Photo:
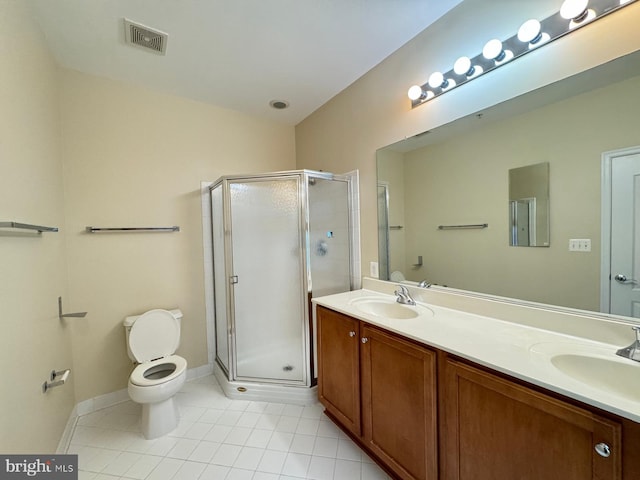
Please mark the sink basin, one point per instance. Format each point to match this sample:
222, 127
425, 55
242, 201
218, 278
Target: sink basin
391, 309
594, 366
602, 373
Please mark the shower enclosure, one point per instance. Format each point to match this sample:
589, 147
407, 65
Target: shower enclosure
279, 239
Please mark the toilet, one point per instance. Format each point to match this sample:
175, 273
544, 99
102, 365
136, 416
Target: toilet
152, 339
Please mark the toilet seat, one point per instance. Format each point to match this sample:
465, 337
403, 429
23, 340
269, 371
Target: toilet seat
138, 375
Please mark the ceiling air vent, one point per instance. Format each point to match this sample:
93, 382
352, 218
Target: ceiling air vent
145, 37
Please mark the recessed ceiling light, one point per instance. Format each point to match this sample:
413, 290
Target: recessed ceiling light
279, 104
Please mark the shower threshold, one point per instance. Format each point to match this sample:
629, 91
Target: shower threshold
265, 392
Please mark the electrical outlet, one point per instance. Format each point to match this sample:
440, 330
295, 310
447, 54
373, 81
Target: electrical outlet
373, 269
580, 245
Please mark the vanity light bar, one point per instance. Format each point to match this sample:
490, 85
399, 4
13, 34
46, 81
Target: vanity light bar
532, 34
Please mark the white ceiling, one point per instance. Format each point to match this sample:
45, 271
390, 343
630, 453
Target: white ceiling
238, 54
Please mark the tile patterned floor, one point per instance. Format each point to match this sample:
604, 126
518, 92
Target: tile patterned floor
219, 439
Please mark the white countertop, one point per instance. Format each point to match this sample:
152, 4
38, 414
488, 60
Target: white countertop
517, 350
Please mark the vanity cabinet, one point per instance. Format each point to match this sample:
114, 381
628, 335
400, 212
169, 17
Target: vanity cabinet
493, 428
339, 367
399, 415
382, 389
425, 414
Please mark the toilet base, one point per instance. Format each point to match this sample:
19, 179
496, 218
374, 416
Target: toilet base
160, 418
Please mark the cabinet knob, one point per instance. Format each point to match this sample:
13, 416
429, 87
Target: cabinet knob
603, 449
364, 340
352, 333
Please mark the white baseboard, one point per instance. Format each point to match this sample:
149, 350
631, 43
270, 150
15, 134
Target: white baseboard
108, 400
65, 440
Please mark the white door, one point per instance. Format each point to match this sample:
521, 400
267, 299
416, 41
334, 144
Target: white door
624, 272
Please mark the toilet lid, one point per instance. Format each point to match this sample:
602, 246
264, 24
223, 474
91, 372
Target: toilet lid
154, 334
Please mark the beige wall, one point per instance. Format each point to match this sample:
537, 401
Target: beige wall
374, 111
465, 180
77, 150
133, 157
33, 340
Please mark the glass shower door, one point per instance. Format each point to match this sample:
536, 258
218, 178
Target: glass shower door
220, 282
267, 279
329, 236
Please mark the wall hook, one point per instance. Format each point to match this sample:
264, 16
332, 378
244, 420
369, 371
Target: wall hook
67, 315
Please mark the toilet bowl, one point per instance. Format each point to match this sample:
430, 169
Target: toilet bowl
152, 339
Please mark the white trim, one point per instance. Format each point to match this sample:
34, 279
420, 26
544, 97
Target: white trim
605, 226
108, 400
65, 439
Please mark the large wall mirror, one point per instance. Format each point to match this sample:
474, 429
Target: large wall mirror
458, 175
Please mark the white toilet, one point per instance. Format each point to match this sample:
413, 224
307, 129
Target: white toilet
152, 339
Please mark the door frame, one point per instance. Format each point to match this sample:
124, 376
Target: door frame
605, 218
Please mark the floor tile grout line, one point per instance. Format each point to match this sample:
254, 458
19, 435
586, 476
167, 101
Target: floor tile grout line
282, 425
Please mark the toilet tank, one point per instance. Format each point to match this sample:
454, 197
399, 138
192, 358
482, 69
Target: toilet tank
129, 321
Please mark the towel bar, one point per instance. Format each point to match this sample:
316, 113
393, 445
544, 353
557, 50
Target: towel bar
27, 226
175, 228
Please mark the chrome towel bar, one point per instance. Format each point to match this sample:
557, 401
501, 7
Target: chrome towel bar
175, 228
452, 227
27, 226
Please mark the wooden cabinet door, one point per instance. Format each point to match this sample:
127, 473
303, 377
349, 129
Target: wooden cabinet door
493, 429
339, 367
399, 403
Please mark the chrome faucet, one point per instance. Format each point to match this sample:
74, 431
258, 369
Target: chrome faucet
424, 284
632, 351
403, 296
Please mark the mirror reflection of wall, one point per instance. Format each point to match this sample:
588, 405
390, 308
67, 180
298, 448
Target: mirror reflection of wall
529, 206
463, 179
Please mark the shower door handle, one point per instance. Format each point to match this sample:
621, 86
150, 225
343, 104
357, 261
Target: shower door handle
233, 279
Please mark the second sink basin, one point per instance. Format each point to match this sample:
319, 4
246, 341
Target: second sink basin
596, 367
389, 308
611, 375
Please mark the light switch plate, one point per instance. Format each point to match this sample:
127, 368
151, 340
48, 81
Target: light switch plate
580, 245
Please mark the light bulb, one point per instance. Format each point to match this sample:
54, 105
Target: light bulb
416, 93
463, 66
437, 80
574, 9
493, 50
529, 31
